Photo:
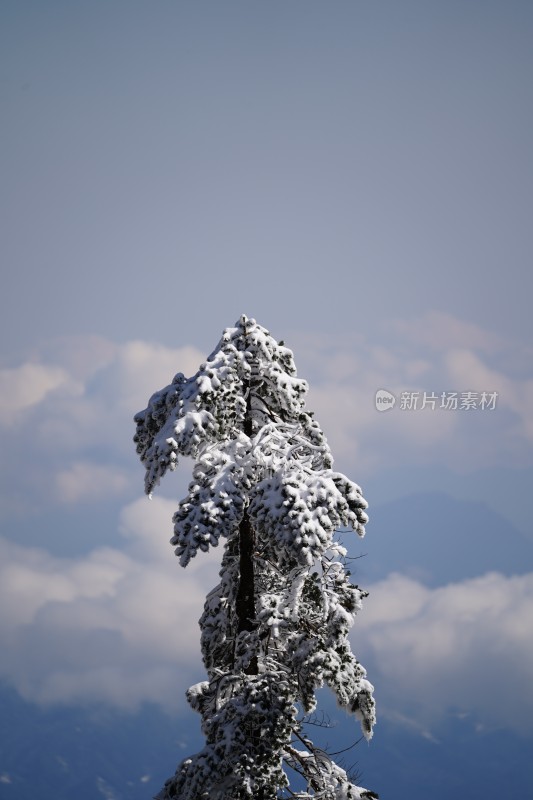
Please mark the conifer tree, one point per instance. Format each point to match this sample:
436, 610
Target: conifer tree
276, 627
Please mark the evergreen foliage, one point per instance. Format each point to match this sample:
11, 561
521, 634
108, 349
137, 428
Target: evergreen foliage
276, 627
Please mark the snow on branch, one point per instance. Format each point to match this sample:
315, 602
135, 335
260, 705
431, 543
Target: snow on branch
276, 627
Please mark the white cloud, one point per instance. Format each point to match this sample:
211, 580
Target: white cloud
71, 426
83, 482
464, 647
361, 435
26, 386
439, 331
73, 414
112, 394
434, 354
141, 368
514, 394
120, 624
120, 627
112, 626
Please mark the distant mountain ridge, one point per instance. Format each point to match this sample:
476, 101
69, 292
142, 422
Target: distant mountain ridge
88, 753
95, 754
438, 539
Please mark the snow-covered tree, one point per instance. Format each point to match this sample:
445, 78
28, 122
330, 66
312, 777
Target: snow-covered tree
276, 627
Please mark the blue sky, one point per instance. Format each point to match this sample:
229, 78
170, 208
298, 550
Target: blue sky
356, 176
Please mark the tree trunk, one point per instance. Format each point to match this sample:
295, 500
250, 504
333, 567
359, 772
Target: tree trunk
245, 603
245, 599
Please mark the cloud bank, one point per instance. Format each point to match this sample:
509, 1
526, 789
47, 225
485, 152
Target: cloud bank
461, 649
66, 414
114, 626
120, 627
117, 623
